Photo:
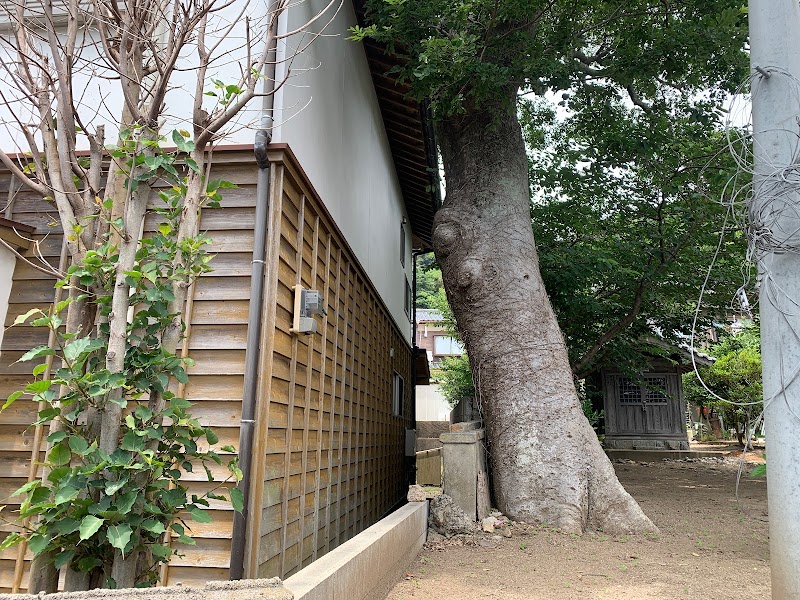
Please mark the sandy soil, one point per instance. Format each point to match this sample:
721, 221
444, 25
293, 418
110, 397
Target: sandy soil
711, 546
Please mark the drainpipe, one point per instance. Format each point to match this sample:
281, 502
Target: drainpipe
254, 326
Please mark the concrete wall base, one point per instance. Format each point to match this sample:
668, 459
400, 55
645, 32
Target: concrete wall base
368, 565
248, 589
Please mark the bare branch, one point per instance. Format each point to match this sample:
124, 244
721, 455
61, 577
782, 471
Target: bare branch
20, 174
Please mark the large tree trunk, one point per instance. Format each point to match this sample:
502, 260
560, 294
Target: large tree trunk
548, 466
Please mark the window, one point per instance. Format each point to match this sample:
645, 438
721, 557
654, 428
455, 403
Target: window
652, 390
446, 345
655, 390
398, 393
408, 300
403, 243
629, 391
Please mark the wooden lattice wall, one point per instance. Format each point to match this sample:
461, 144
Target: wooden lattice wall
329, 451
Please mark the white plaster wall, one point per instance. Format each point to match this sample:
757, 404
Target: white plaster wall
329, 115
431, 404
7, 262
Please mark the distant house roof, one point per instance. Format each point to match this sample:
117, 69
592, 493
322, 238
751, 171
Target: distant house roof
410, 134
429, 315
683, 351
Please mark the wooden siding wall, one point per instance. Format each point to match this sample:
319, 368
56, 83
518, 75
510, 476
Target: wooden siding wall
331, 453
19, 455
216, 334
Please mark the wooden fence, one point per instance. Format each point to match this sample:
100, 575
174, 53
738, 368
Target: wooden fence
429, 467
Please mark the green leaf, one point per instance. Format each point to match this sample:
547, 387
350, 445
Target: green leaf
66, 526
154, 526
89, 526
39, 369
119, 535
228, 448
78, 445
87, 563
66, 494
80, 346
60, 454
199, 515
28, 487
37, 387
180, 375
161, 552
22, 318
125, 502
12, 539
11, 399
56, 436
143, 413
36, 352
211, 436
112, 487
132, 442
37, 543
182, 143
63, 304
237, 499
62, 558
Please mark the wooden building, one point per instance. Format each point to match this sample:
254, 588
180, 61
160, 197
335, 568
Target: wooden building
332, 409
648, 412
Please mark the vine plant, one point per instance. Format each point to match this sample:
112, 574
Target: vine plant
92, 503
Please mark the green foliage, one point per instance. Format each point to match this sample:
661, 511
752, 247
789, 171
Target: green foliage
92, 502
455, 380
627, 219
429, 280
735, 377
466, 54
592, 415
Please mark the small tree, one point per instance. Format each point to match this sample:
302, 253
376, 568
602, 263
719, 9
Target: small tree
734, 383
119, 439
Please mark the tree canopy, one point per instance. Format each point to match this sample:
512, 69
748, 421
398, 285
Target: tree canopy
628, 220
462, 53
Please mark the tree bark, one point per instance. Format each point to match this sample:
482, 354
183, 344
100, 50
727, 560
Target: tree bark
547, 464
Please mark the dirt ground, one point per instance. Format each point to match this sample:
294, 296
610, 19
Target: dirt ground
711, 546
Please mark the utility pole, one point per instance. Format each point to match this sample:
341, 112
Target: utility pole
774, 218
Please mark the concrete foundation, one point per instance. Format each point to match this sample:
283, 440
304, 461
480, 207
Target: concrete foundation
628, 443
656, 455
368, 565
249, 589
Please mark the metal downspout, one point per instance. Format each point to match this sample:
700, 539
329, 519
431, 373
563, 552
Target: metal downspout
254, 325
412, 475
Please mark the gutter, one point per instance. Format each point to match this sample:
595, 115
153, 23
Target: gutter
254, 323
